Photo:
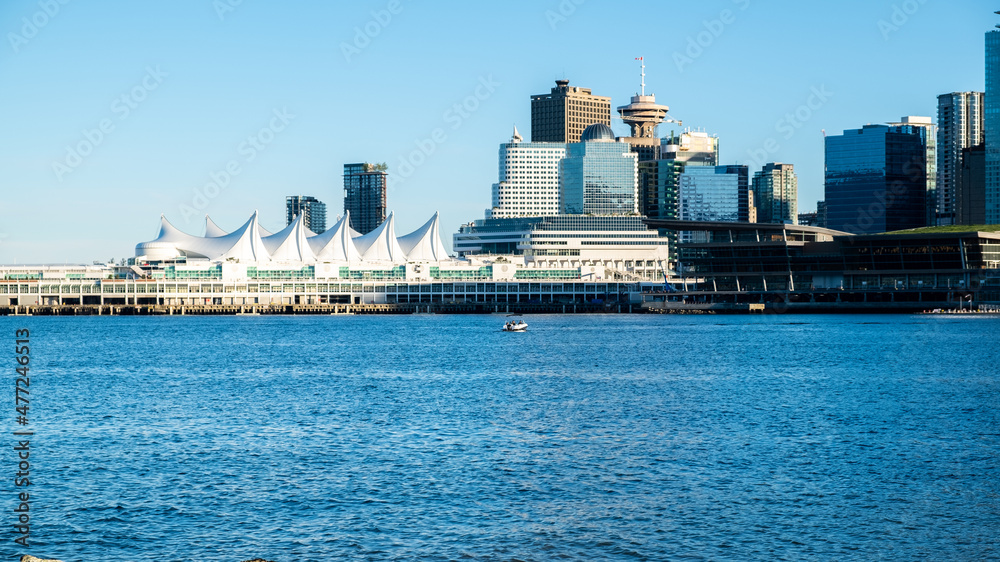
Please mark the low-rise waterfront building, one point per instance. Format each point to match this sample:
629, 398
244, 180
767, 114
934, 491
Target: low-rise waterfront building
762, 263
250, 266
607, 247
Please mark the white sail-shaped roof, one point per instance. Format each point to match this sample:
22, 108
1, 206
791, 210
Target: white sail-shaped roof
263, 231
170, 233
297, 244
336, 244
424, 243
246, 243
243, 243
273, 241
380, 244
293, 243
212, 230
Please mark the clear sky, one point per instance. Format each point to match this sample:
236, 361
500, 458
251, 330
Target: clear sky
114, 112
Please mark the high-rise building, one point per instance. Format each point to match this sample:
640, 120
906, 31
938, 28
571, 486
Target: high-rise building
960, 125
925, 127
312, 209
365, 195
970, 197
598, 175
563, 114
991, 100
658, 179
775, 192
528, 182
817, 218
694, 147
710, 193
876, 179
747, 211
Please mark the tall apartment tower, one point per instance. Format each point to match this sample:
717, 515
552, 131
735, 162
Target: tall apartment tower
776, 193
563, 114
312, 209
876, 179
960, 125
365, 195
528, 183
992, 126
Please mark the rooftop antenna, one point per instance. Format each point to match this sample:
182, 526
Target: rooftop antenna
642, 75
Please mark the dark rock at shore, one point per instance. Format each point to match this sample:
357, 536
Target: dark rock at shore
254, 560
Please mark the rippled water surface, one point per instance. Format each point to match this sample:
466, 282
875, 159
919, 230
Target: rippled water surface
439, 437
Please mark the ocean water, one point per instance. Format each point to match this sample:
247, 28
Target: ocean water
431, 437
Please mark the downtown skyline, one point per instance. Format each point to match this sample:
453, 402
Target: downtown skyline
267, 101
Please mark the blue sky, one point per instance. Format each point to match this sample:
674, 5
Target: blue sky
114, 112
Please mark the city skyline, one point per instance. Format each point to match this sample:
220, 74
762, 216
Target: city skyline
260, 101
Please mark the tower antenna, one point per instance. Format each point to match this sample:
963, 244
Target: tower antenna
642, 75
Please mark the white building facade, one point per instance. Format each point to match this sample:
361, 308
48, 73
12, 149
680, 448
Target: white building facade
528, 182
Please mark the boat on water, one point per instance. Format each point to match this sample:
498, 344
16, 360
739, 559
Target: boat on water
515, 326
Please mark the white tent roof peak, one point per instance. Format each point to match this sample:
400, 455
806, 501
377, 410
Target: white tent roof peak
291, 243
424, 243
380, 244
245, 243
212, 230
336, 244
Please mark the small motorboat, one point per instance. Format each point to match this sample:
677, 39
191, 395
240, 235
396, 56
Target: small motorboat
515, 326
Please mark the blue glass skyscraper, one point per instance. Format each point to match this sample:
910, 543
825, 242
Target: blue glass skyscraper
598, 175
992, 119
710, 193
876, 179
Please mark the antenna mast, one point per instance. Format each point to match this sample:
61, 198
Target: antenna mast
642, 75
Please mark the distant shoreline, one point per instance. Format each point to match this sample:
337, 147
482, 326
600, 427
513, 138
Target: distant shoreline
479, 308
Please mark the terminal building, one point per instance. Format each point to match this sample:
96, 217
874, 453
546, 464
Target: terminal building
249, 266
750, 263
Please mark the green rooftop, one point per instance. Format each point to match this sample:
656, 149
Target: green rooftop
950, 228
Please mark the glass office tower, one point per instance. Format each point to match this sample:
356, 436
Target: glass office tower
709, 193
992, 118
598, 175
876, 179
